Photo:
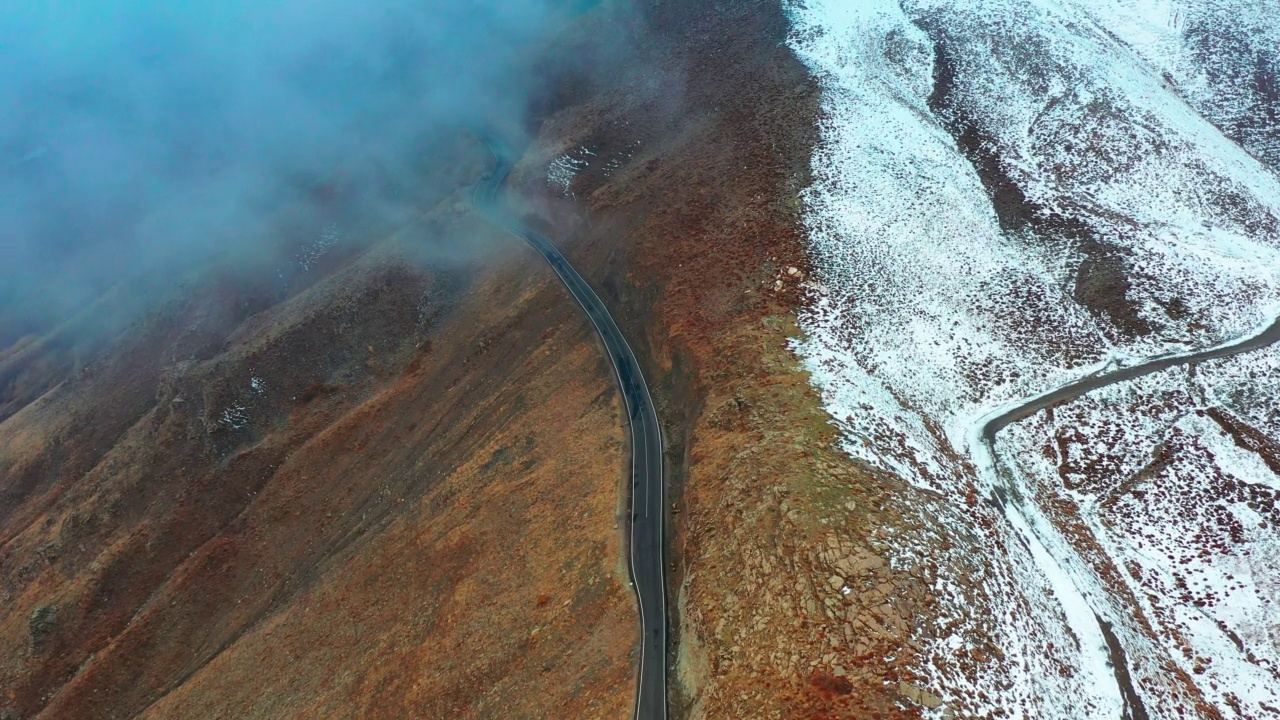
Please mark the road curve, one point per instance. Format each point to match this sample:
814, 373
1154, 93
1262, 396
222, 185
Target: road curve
647, 488
1076, 388
1133, 708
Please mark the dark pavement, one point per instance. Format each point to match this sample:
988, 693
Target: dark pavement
647, 487
1076, 388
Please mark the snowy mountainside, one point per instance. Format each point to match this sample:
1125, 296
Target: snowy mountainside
1223, 56
1180, 514
1010, 196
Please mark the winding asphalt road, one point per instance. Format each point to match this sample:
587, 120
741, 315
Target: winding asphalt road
1076, 388
647, 486
1133, 708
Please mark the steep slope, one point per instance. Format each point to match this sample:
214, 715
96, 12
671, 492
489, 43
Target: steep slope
1013, 195
432, 530
387, 487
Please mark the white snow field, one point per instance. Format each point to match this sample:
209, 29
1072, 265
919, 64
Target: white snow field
979, 162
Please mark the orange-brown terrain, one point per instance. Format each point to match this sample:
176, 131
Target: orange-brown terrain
415, 515
394, 488
697, 240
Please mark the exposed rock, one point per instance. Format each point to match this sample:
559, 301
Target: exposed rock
918, 695
41, 625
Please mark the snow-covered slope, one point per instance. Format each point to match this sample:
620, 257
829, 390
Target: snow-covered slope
1220, 54
1010, 195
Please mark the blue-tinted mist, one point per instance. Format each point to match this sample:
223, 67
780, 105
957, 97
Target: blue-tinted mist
133, 132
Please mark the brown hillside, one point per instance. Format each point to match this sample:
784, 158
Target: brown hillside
413, 510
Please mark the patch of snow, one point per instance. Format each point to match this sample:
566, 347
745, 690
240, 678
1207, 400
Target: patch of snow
312, 252
235, 417
565, 169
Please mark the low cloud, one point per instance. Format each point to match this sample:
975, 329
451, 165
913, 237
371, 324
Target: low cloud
137, 131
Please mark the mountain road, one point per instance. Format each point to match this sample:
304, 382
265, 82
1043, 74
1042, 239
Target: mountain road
647, 489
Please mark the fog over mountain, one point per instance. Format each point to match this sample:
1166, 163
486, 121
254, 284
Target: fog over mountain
133, 132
